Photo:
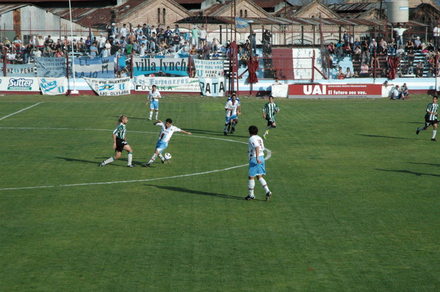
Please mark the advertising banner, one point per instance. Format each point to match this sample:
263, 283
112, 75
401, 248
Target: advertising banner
21, 70
51, 67
209, 68
53, 86
95, 67
110, 87
178, 84
173, 66
19, 84
279, 90
335, 90
212, 86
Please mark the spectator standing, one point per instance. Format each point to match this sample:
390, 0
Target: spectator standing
399, 35
93, 50
202, 37
195, 36
123, 32
436, 35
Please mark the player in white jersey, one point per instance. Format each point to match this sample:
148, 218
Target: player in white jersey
431, 118
120, 143
257, 166
232, 110
153, 101
165, 135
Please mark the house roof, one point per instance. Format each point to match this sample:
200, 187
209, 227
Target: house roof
5, 8
315, 3
101, 17
189, 1
268, 3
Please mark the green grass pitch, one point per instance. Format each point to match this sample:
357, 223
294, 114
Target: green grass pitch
355, 202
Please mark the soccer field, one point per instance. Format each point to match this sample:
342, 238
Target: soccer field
355, 203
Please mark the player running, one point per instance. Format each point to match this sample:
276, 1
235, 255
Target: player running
120, 143
431, 118
164, 138
269, 111
153, 98
256, 164
232, 110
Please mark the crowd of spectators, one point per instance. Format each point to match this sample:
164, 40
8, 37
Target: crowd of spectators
140, 40
370, 56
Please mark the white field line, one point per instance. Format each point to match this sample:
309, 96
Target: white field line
22, 110
268, 156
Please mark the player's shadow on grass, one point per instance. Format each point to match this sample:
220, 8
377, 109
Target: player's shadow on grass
424, 163
387, 137
409, 172
201, 193
69, 159
215, 133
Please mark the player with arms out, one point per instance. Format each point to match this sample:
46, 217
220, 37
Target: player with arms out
153, 98
257, 166
232, 110
431, 118
269, 111
165, 135
120, 143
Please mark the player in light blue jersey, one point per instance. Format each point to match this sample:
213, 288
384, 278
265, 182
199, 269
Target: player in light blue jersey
120, 143
431, 118
257, 167
232, 110
167, 131
153, 98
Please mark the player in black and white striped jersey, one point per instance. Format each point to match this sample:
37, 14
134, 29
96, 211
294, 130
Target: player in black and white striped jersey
431, 118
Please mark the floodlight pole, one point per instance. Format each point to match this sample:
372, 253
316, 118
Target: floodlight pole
73, 91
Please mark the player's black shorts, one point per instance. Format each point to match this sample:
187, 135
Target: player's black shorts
120, 144
270, 123
430, 122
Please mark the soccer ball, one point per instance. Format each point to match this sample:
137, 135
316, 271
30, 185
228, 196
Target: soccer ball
168, 156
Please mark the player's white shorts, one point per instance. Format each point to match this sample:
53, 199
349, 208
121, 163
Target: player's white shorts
257, 168
154, 104
161, 145
228, 119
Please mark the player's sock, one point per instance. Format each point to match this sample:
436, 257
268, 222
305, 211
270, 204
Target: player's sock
421, 128
151, 115
157, 115
161, 157
434, 133
130, 158
264, 184
110, 160
251, 186
152, 158
226, 128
